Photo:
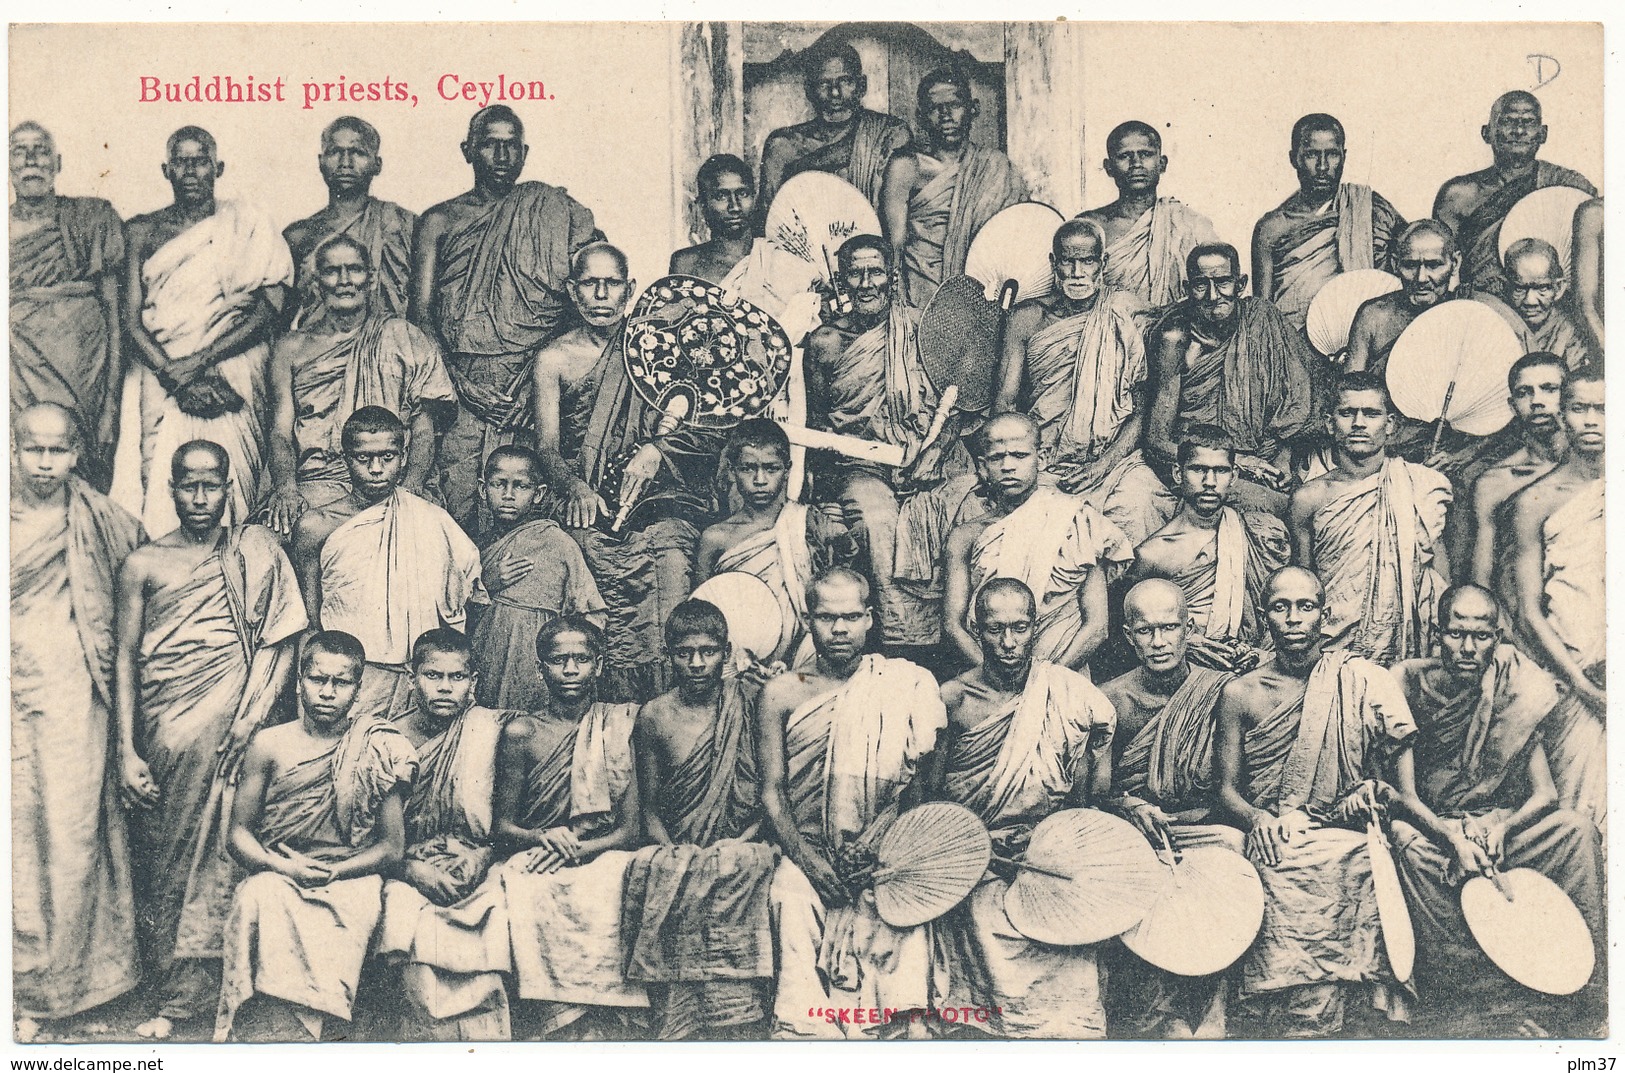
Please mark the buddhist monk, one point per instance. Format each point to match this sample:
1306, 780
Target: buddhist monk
1426, 258
1587, 256
1535, 286
1535, 391
727, 199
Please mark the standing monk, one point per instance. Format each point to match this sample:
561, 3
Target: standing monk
1535, 390
727, 199
206, 618
67, 254
72, 913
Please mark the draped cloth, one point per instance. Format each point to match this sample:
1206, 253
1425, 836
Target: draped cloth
1223, 583
1352, 231
1149, 258
384, 229
945, 214
1082, 373
1479, 233
782, 558
860, 155
199, 285
73, 918
1169, 762
881, 392
1573, 540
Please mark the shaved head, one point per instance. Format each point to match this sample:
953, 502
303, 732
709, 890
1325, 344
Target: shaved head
1468, 601
837, 579
47, 419
187, 457
1534, 247
28, 126
1154, 595
1292, 580
1517, 96
193, 134
1005, 589
1006, 424
1132, 127
1077, 228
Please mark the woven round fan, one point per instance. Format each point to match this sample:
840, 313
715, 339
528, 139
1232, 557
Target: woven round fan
1086, 876
1531, 930
1014, 244
1331, 314
929, 862
1398, 936
1208, 914
754, 621
1547, 213
959, 341
813, 213
1453, 362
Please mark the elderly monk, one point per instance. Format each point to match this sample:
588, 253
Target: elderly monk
1325, 228
1149, 237
591, 421
488, 281
452, 948
935, 198
349, 353
204, 281
567, 810
843, 137
1220, 359
1555, 539
316, 822
1075, 361
839, 752
67, 254
1425, 258
1587, 259
72, 916
381, 563
726, 190
1475, 205
1025, 738
1217, 555
1534, 287
207, 615
696, 913
531, 572
1298, 742
1058, 545
349, 161
1371, 528
1163, 772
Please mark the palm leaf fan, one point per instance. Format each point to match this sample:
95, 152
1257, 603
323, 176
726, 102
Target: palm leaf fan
929, 862
1547, 213
755, 623
1452, 362
1531, 930
1085, 877
1014, 245
813, 213
1398, 935
1207, 916
1331, 314
959, 341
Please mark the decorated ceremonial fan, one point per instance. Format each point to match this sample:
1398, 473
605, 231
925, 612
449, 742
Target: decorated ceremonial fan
1331, 314
1547, 213
1208, 914
929, 862
1451, 366
1085, 877
754, 621
1398, 936
1014, 245
813, 214
1531, 930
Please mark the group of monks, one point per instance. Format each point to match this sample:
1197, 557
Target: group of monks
387, 707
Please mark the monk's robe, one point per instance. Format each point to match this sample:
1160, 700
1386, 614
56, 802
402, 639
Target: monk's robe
860, 155
849, 755
210, 656
1149, 258
453, 955
499, 297
945, 214
199, 285
1321, 937
1472, 760
1373, 550
384, 228
303, 946
1573, 539
504, 639
388, 574
799, 546
1013, 769
1083, 373
1222, 583
72, 911
568, 948
59, 333
695, 913
923, 526
1562, 335
1050, 543
1350, 232
1479, 233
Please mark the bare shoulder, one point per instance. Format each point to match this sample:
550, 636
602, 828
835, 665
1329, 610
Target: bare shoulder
783, 693
686, 261
961, 536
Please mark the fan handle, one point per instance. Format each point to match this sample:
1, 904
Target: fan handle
1037, 869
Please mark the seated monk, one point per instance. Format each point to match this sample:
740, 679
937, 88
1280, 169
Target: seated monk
349, 162
381, 562
1535, 287
1325, 228
1298, 742
531, 572
1587, 257
1425, 258
1218, 556
1371, 528
1058, 545
1149, 237
1075, 361
488, 282
726, 192
348, 354
838, 751
696, 913
1025, 738
316, 821
67, 254
1221, 359
935, 198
